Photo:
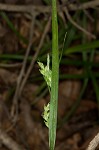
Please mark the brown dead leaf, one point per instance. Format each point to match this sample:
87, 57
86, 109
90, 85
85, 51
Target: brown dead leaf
5, 122
71, 143
28, 126
88, 136
70, 88
74, 141
24, 30
68, 93
9, 42
7, 77
2, 31
29, 91
86, 105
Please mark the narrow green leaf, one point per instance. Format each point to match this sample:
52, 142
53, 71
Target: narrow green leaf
83, 47
55, 78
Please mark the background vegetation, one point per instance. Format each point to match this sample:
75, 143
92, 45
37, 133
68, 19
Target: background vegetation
25, 38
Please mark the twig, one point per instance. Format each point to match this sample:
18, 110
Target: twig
22, 72
10, 65
24, 8
76, 25
46, 9
9, 142
94, 143
35, 55
86, 5
20, 82
88, 15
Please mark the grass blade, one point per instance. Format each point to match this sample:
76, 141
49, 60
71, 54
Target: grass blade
55, 78
82, 47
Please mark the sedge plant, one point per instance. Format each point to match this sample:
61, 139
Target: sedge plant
52, 78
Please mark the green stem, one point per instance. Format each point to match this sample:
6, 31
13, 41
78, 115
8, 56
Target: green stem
55, 78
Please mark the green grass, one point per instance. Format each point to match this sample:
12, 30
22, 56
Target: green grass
75, 43
55, 78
